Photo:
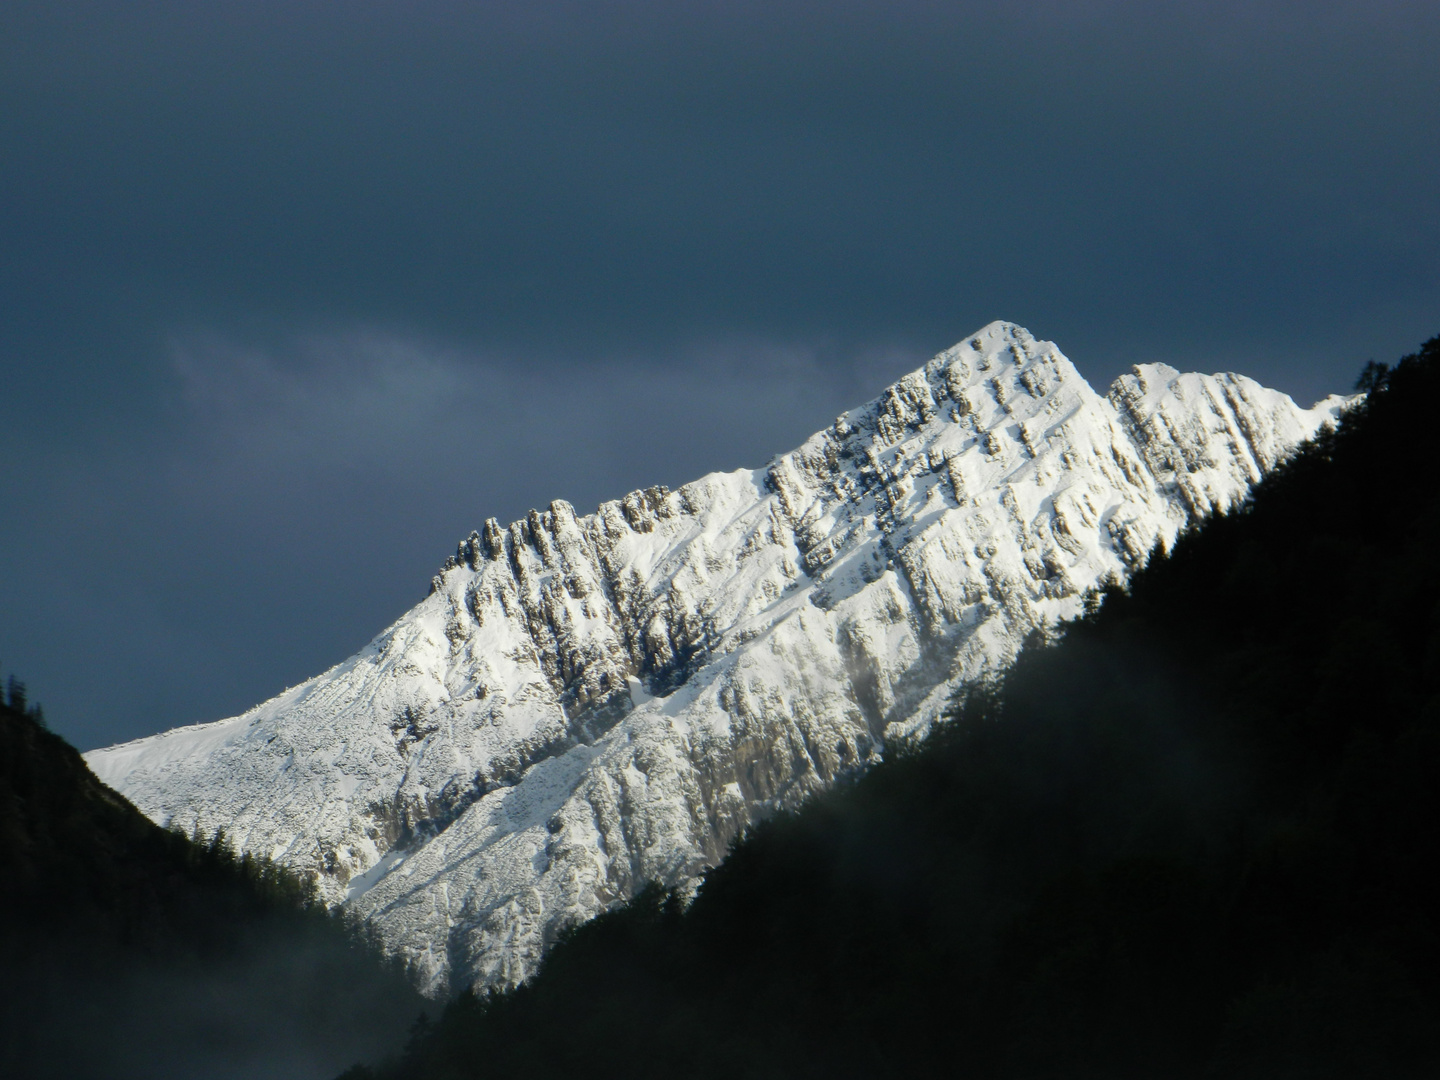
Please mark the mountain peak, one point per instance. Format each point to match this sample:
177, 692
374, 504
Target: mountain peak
585, 703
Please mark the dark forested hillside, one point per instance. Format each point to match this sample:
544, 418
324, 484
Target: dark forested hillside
128, 951
1193, 837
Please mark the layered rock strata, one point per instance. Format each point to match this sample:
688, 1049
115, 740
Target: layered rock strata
586, 703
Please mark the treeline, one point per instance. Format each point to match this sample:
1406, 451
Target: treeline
17, 699
132, 951
1193, 837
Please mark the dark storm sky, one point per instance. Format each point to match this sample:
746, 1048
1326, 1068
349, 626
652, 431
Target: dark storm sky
293, 295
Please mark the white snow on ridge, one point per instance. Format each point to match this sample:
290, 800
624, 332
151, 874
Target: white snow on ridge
584, 704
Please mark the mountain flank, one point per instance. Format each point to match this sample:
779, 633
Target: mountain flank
588, 702
1190, 834
133, 952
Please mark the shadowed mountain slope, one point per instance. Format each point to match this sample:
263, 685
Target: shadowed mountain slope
132, 952
1194, 837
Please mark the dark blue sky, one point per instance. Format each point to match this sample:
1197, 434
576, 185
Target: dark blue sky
293, 295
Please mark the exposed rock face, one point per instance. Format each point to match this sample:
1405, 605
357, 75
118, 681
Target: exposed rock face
583, 704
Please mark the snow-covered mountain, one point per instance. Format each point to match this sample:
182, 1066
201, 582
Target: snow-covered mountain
583, 704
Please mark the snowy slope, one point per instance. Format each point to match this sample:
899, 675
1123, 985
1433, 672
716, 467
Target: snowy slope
583, 704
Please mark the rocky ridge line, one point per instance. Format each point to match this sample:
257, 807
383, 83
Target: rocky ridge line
586, 703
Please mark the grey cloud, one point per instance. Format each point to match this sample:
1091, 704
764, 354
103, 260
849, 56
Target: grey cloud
291, 295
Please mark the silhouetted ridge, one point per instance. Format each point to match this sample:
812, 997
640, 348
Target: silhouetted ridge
131, 951
1194, 837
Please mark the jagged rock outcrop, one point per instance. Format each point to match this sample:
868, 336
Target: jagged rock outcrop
583, 704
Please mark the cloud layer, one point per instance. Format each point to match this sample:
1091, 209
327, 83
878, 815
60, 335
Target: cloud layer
293, 295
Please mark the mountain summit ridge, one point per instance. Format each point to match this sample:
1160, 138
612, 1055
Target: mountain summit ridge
584, 704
